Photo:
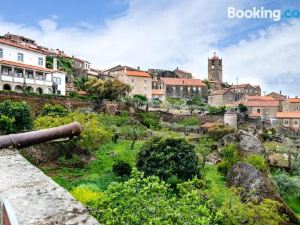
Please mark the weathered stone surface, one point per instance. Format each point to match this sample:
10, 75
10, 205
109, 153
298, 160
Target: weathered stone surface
35, 198
249, 144
256, 186
228, 139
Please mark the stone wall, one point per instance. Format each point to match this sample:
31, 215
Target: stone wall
37, 102
35, 198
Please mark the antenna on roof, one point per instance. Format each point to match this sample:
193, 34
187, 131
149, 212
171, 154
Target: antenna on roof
237, 80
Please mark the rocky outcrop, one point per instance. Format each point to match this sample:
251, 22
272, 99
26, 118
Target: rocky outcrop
249, 144
256, 187
35, 198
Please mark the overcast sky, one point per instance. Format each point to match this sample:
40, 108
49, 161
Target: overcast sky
167, 34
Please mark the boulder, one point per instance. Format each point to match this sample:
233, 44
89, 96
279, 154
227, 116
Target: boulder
256, 187
228, 139
249, 144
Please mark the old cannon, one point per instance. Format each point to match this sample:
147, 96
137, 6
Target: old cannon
26, 139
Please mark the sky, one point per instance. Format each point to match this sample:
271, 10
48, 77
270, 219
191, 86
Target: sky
166, 34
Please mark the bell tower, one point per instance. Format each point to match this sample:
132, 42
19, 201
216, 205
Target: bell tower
215, 69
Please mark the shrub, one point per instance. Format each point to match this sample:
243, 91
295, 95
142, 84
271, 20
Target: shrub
258, 162
93, 135
17, 111
54, 110
167, 157
189, 121
149, 200
122, 168
216, 110
87, 194
286, 184
251, 214
229, 158
219, 131
150, 120
6, 124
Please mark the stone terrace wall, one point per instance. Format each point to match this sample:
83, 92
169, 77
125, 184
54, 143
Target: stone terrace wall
37, 102
35, 198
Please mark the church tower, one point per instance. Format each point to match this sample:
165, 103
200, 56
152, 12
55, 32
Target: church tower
215, 69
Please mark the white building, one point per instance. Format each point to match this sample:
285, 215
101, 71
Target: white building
23, 66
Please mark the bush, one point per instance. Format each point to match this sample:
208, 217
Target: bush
258, 162
219, 131
87, 194
122, 168
251, 214
229, 158
6, 124
17, 111
54, 110
150, 120
189, 121
149, 200
93, 135
217, 110
286, 184
167, 157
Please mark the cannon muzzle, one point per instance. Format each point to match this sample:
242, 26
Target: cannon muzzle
26, 139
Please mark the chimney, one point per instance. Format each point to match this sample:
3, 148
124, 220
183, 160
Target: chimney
280, 92
296, 97
54, 63
125, 69
138, 67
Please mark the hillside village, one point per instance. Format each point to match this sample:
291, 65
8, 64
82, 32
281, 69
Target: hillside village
149, 146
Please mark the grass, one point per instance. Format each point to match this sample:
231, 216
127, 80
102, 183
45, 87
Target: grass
216, 185
294, 203
98, 171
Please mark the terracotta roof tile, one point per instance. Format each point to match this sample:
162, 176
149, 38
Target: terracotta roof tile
183, 82
288, 115
26, 66
293, 100
22, 46
272, 103
260, 98
137, 73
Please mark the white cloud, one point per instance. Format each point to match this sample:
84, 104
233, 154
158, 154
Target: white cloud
166, 34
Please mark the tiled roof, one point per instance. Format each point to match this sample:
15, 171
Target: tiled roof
219, 92
26, 66
137, 73
254, 114
288, 115
22, 46
260, 98
119, 68
272, 103
293, 100
183, 82
158, 92
240, 85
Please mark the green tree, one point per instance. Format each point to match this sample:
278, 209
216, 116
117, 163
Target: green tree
6, 124
167, 157
205, 147
109, 89
149, 200
219, 131
19, 112
229, 158
258, 162
81, 83
242, 108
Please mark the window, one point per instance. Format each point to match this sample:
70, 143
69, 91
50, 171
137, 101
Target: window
1, 53
258, 110
286, 122
41, 61
40, 76
145, 81
20, 57
132, 80
145, 88
57, 80
295, 122
58, 92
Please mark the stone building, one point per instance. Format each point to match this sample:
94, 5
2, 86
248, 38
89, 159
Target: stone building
221, 97
182, 74
23, 67
139, 81
215, 72
291, 104
263, 107
243, 90
183, 87
289, 119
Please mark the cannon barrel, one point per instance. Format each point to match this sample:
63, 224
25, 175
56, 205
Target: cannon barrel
26, 139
